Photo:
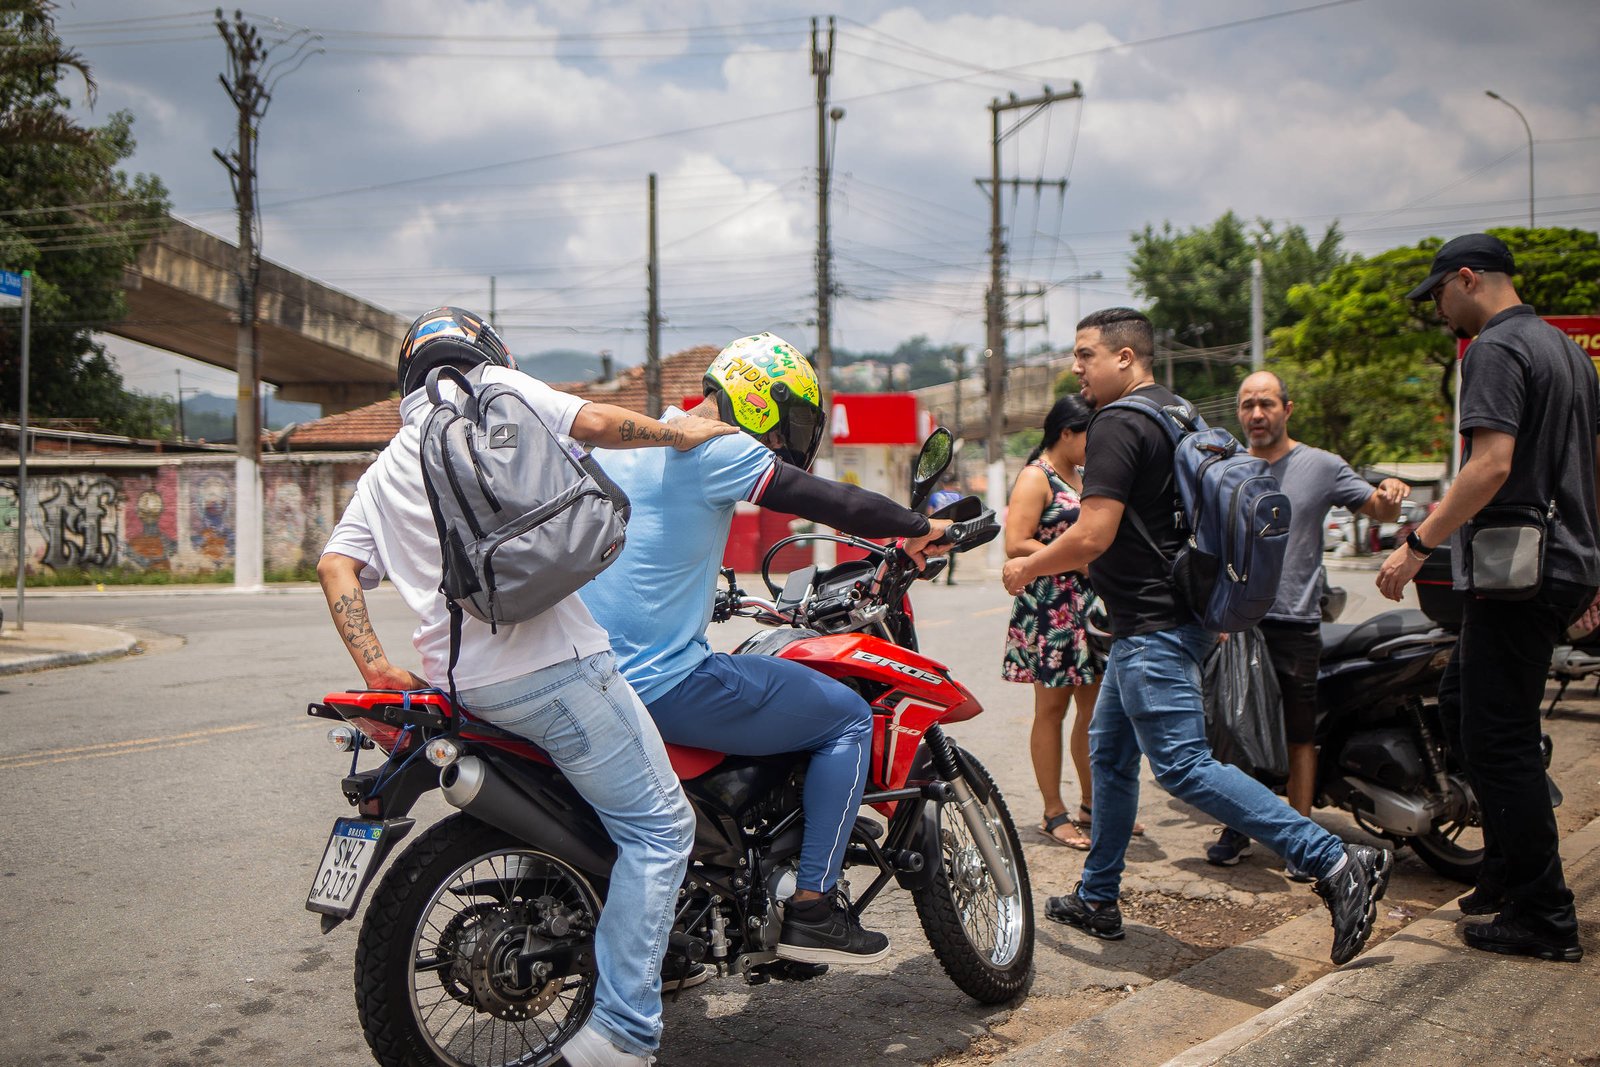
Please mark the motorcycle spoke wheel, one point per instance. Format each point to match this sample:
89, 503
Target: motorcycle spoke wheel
437, 981
983, 940
1453, 848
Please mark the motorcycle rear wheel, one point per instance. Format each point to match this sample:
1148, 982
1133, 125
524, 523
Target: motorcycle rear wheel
1453, 849
983, 941
435, 981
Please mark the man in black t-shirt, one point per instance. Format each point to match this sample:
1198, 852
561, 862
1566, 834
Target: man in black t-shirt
1150, 702
1529, 405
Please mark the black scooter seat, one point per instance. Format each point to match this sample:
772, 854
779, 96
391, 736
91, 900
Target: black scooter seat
1348, 640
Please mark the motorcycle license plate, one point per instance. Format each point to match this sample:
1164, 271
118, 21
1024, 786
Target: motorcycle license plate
354, 849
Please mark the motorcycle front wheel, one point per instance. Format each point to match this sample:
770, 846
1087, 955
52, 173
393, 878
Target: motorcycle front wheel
983, 940
438, 981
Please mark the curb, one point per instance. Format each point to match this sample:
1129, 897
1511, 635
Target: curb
1220, 990
1423, 939
91, 643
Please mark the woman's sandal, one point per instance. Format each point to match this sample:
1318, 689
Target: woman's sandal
1055, 822
1085, 819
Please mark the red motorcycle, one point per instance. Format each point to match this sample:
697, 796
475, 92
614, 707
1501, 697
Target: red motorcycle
477, 945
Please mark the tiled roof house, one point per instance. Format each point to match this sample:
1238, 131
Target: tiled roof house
373, 426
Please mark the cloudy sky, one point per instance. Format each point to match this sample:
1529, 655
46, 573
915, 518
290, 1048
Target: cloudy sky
431, 145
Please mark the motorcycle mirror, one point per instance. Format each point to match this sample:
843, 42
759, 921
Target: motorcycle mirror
931, 463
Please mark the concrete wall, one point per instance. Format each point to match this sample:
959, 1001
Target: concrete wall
176, 517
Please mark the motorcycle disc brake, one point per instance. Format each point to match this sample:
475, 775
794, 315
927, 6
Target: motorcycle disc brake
495, 988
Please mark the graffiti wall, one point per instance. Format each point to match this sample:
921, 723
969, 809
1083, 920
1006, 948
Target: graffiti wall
176, 518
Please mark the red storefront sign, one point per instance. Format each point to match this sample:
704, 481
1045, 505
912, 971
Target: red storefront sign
867, 418
1583, 329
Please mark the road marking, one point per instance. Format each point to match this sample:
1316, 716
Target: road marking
102, 755
121, 748
991, 611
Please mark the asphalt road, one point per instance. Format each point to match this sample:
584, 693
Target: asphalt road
164, 814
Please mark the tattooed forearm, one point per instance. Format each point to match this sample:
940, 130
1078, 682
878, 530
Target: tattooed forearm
628, 430
355, 626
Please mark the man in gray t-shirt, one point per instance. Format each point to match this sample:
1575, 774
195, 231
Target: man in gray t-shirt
1314, 481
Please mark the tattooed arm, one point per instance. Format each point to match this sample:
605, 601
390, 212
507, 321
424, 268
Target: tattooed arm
609, 426
341, 584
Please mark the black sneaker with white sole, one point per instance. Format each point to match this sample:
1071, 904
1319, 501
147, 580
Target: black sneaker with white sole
1352, 893
827, 932
678, 974
1229, 849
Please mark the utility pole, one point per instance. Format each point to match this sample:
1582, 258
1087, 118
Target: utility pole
995, 304
1258, 332
179, 373
249, 83
652, 354
244, 87
821, 70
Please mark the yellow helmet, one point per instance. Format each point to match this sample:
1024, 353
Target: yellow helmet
762, 383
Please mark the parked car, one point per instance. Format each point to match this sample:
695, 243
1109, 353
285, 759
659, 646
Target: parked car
1390, 534
1336, 529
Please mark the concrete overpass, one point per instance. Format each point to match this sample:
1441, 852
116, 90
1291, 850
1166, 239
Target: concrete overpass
318, 345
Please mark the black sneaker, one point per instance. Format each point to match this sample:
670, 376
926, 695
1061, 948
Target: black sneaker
1097, 920
1482, 901
836, 937
1511, 937
678, 974
1352, 894
1230, 848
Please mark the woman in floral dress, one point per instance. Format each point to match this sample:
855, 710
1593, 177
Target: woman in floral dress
1045, 642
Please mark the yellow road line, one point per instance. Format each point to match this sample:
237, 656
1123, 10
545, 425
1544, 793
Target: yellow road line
103, 755
137, 744
991, 611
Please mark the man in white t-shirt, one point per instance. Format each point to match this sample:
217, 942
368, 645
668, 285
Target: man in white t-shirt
552, 679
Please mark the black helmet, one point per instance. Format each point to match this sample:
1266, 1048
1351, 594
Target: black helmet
447, 335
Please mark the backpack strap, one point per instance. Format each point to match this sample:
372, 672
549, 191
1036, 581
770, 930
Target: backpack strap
431, 383
1178, 421
455, 654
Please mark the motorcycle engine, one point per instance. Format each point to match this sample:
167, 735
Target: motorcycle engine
781, 882
1388, 757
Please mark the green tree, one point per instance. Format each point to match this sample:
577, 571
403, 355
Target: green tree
1370, 373
69, 215
1197, 286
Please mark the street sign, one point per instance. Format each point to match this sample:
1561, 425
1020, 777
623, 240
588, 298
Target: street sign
10, 289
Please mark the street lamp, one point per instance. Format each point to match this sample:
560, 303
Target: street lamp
1491, 94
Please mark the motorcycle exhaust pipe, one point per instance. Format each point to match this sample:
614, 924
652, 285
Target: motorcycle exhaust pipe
476, 788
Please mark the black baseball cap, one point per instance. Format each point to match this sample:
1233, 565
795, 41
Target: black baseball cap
1477, 251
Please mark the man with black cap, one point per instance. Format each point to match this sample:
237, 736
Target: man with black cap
1529, 409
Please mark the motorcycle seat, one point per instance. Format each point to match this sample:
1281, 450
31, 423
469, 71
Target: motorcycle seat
1348, 640
692, 762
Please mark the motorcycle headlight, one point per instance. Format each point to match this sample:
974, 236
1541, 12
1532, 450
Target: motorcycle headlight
442, 752
344, 738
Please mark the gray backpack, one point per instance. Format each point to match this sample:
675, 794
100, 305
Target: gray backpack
524, 521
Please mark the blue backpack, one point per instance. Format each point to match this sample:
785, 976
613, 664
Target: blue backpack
1233, 514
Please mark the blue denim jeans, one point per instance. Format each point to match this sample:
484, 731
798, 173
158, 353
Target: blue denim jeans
1150, 703
585, 715
762, 706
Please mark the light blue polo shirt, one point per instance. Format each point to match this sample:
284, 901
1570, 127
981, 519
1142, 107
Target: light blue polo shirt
655, 600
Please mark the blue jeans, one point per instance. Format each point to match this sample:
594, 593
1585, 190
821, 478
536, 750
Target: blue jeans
1150, 703
762, 706
585, 715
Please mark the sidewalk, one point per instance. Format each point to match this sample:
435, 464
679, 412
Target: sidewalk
1421, 998
59, 644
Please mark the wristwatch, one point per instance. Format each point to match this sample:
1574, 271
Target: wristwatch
1414, 543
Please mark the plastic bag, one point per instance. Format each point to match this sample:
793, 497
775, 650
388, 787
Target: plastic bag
1244, 709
